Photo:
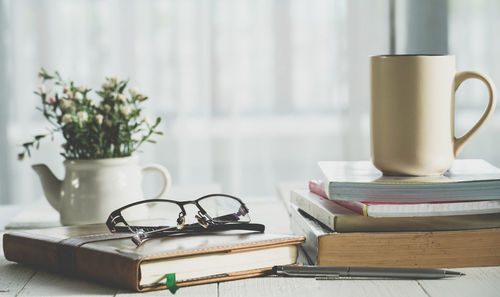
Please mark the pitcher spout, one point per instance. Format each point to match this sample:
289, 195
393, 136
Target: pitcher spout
50, 183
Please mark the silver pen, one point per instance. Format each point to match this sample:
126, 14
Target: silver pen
326, 272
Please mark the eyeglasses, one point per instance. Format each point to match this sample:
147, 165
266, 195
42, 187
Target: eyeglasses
154, 218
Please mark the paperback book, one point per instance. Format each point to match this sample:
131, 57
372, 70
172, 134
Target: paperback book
395, 209
361, 181
338, 218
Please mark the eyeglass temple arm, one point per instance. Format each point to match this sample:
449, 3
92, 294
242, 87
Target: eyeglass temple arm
212, 228
239, 226
161, 231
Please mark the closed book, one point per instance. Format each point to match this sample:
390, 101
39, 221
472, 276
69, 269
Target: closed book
360, 181
467, 248
92, 252
338, 217
429, 209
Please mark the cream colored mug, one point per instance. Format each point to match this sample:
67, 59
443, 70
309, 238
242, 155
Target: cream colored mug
412, 113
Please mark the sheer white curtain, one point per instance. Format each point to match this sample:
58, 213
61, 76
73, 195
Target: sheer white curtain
253, 92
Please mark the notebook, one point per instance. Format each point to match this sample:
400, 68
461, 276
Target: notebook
92, 252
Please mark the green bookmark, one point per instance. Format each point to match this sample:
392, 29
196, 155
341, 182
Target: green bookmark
170, 282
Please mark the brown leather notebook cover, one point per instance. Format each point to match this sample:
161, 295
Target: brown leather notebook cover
92, 252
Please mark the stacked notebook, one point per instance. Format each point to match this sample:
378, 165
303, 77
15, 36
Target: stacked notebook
357, 217
92, 252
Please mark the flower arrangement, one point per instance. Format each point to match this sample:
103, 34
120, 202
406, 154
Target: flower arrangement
111, 128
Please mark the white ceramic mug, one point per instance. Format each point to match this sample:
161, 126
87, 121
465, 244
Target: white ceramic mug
92, 189
412, 113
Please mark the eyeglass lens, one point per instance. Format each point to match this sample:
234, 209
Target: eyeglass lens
169, 214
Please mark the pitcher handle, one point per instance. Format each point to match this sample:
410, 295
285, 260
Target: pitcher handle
167, 179
460, 77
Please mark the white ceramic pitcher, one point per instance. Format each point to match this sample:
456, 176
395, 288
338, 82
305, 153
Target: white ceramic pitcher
92, 189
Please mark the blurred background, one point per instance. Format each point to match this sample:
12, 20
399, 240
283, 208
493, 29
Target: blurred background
252, 92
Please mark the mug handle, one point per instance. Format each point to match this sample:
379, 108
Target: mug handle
460, 77
167, 179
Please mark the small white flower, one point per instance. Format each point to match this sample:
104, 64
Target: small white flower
82, 88
66, 104
108, 123
78, 96
66, 118
107, 108
120, 97
126, 110
147, 120
42, 89
106, 85
99, 118
82, 116
114, 80
133, 91
69, 94
65, 89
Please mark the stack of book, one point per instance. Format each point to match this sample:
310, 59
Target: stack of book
357, 217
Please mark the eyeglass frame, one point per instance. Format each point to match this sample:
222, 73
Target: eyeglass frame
203, 225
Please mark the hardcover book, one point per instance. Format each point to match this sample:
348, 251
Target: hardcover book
92, 252
361, 181
438, 249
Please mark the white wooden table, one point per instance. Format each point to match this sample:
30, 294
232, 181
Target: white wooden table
19, 280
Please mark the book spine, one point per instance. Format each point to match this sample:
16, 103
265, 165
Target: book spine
298, 226
102, 266
318, 188
321, 214
30, 251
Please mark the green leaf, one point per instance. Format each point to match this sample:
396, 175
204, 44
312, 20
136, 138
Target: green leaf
58, 75
123, 86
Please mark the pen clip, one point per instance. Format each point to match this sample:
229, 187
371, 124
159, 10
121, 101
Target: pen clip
284, 271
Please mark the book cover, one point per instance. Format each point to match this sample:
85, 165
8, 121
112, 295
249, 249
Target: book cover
341, 219
92, 252
361, 181
468, 248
